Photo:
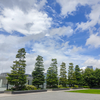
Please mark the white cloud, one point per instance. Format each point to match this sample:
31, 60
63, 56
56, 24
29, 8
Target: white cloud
93, 41
68, 6
93, 18
9, 46
47, 47
8, 49
64, 53
32, 22
83, 68
77, 49
62, 31
24, 5
92, 62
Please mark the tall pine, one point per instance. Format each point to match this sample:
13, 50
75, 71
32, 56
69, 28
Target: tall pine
17, 76
71, 75
38, 73
52, 79
63, 76
54, 65
78, 76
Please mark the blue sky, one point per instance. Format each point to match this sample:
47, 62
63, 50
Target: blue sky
68, 30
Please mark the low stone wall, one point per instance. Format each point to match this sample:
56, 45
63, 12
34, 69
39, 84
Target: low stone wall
1, 91
28, 91
8, 92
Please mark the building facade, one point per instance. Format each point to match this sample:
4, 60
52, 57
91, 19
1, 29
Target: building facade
3, 80
91, 67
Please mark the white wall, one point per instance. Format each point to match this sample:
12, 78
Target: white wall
0, 82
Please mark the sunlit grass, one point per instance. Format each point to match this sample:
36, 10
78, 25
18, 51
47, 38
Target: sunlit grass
91, 91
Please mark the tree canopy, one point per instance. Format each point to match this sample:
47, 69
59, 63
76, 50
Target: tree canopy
38, 73
17, 76
63, 76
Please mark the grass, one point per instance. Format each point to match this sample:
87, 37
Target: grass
90, 91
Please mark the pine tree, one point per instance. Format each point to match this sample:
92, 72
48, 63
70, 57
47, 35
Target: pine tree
51, 78
38, 74
54, 65
63, 78
78, 75
17, 76
71, 75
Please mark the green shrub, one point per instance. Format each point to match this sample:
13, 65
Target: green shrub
63, 87
86, 87
39, 88
67, 87
96, 87
81, 86
76, 86
55, 86
71, 87
30, 87
59, 86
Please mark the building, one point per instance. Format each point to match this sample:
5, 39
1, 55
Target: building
91, 67
3, 80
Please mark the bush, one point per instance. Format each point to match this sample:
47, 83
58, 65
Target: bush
18, 88
67, 87
59, 86
96, 87
71, 87
39, 88
76, 86
55, 86
30, 87
63, 87
81, 86
13, 88
86, 87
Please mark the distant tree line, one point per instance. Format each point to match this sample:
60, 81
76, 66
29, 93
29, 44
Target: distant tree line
76, 76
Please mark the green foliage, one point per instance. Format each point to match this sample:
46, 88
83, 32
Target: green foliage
76, 86
89, 77
17, 76
59, 86
30, 87
71, 75
78, 75
55, 86
72, 87
67, 87
51, 78
54, 65
38, 74
63, 78
97, 77
86, 87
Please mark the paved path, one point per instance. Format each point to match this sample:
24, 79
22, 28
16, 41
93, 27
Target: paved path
50, 95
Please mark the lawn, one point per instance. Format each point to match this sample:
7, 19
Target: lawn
91, 91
